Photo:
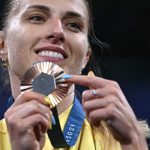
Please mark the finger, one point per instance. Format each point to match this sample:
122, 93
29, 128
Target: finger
100, 103
109, 113
108, 90
96, 116
28, 96
89, 94
30, 108
22, 125
34, 120
92, 82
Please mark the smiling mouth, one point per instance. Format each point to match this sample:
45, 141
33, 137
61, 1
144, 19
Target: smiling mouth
52, 54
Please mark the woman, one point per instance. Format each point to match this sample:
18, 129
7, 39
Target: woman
60, 29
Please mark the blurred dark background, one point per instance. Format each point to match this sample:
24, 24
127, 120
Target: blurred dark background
124, 25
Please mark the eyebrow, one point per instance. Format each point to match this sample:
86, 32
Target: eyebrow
47, 9
40, 7
73, 14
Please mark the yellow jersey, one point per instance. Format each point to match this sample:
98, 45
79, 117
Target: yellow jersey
90, 138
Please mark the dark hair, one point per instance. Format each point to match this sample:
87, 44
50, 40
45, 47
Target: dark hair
5, 7
4, 81
97, 46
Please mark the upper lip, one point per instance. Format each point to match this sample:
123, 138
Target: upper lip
52, 48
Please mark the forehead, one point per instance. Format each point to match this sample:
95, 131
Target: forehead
78, 6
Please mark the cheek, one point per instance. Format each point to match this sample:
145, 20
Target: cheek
15, 46
19, 50
19, 34
15, 36
19, 40
79, 48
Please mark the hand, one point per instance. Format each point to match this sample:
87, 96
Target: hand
27, 121
108, 103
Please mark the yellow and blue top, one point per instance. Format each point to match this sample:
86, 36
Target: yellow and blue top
90, 138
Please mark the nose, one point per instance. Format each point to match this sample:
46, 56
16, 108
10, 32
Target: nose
56, 33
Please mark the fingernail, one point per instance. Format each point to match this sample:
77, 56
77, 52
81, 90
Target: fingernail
53, 121
67, 76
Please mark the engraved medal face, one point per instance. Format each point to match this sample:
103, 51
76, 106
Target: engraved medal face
46, 78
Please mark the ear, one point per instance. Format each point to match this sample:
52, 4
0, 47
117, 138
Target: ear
87, 57
3, 52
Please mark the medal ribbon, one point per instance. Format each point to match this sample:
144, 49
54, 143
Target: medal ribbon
72, 129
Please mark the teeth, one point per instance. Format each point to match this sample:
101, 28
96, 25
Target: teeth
51, 54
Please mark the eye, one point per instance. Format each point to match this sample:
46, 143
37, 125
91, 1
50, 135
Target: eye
37, 19
74, 26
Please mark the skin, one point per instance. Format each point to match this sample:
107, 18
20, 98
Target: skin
55, 28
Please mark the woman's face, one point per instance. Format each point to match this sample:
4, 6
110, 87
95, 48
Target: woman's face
47, 30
